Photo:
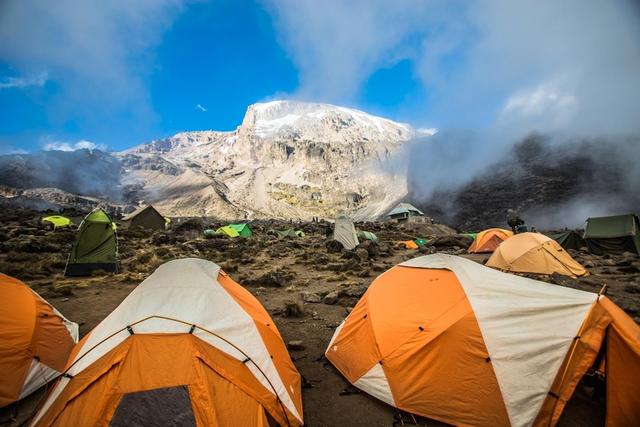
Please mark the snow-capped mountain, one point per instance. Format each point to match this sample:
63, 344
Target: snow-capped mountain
286, 160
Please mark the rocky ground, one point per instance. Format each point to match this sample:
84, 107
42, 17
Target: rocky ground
307, 285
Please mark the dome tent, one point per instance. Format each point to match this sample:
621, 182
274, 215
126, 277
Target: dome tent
449, 339
534, 253
188, 345
58, 221
488, 240
35, 340
96, 246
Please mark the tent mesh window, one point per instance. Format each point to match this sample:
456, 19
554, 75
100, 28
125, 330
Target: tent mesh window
158, 407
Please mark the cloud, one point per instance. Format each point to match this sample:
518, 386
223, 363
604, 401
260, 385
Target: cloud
201, 108
72, 146
97, 52
23, 82
481, 63
542, 107
337, 45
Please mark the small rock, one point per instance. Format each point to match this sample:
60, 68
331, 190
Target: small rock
632, 288
294, 308
331, 298
311, 297
362, 255
296, 345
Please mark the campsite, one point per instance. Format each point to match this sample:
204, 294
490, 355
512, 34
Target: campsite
288, 213
307, 285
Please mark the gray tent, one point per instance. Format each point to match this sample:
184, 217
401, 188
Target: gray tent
345, 232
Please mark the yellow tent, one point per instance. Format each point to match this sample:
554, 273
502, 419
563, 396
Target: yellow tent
534, 253
408, 244
58, 221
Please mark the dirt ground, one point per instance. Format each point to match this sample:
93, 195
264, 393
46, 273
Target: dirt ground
286, 276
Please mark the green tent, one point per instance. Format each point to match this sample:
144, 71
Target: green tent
568, 239
96, 246
58, 221
235, 230
146, 217
421, 242
472, 235
613, 234
209, 232
289, 232
367, 235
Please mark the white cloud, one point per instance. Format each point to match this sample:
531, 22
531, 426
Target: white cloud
73, 146
98, 51
22, 82
427, 131
476, 57
201, 108
543, 107
337, 45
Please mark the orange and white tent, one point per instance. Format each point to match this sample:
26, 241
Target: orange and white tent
187, 346
534, 253
35, 340
488, 240
449, 339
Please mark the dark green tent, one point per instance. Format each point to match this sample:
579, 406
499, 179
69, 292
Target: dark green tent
568, 239
146, 217
96, 246
613, 234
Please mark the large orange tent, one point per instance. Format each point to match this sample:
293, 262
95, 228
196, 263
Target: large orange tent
488, 240
534, 253
449, 339
188, 346
35, 340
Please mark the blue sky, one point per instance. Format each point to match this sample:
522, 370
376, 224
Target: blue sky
120, 73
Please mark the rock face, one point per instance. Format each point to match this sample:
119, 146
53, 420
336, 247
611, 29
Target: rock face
287, 160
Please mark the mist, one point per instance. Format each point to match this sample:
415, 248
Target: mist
554, 181
83, 172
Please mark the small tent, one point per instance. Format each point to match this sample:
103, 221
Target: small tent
345, 232
96, 246
289, 232
408, 244
35, 341
404, 212
188, 346
449, 339
534, 253
235, 230
613, 234
488, 240
146, 217
58, 221
568, 239
367, 235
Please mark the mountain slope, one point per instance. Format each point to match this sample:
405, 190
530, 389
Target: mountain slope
287, 160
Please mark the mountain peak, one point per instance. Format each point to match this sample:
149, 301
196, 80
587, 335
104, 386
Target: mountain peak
288, 118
